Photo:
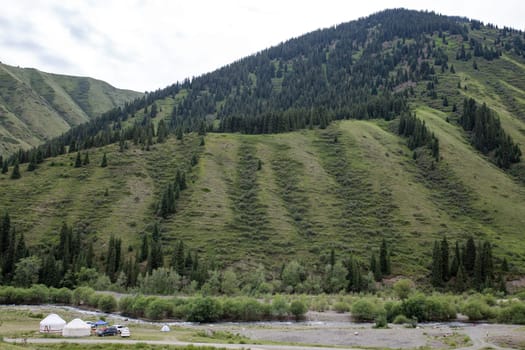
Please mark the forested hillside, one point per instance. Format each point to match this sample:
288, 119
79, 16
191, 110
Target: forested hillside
345, 153
37, 106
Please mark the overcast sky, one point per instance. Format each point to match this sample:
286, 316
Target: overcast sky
144, 45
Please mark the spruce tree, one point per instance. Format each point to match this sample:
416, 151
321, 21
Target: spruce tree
5, 232
104, 162
144, 248
86, 159
5, 167
470, 255
78, 162
461, 279
16, 171
444, 259
437, 265
384, 259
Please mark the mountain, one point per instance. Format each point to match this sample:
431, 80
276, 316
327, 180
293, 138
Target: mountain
36, 106
404, 126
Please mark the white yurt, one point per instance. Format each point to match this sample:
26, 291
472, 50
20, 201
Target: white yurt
165, 328
52, 324
76, 328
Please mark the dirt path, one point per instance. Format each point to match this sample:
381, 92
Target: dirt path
161, 342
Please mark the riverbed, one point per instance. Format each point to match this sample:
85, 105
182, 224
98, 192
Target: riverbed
337, 329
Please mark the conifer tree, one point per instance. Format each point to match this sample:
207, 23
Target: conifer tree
86, 159
16, 171
5, 232
104, 162
437, 265
384, 258
444, 259
375, 268
144, 248
470, 255
78, 162
5, 167
461, 279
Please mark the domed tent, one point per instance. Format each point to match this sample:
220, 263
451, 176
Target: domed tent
165, 328
76, 328
52, 324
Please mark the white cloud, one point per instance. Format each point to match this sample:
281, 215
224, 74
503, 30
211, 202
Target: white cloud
144, 45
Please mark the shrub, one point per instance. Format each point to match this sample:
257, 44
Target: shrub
107, 303
364, 310
341, 307
403, 288
298, 309
401, 319
252, 310
38, 294
393, 309
205, 310
159, 309
439, 308
279, 307
61, 296
513, 313
125, 305
232, 309
380, 321
477, 310
81, 295
140, 304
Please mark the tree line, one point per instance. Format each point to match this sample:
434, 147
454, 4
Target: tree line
487, 134
466, 266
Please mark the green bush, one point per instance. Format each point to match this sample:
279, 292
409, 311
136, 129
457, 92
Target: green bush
139, 305
205, 310
364, 310
432, 308
280, 307
61, 296
298, 309
232, 309
253, 310
513, 313
393, 309
476, 309
341, 307
81, 295
380, 321
401, 319
107, 303
38, 294
159, 309
125, 305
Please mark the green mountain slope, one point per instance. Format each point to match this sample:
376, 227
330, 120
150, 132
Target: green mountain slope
301, 209
297, 150
37, 106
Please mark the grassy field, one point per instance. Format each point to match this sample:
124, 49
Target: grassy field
36, 106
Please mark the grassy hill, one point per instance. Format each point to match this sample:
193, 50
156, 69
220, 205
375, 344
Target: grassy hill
336, 175
36, 106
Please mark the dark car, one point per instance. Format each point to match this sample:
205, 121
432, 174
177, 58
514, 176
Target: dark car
107, 331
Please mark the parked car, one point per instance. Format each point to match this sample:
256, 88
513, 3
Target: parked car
118, 327
124, 332
107, 331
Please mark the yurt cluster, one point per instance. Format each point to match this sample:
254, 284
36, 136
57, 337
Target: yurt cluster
54, 324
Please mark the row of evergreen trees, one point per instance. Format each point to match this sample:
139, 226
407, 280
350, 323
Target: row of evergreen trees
466, 266
418, 134
487, 135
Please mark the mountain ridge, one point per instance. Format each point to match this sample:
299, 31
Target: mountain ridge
36, 106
